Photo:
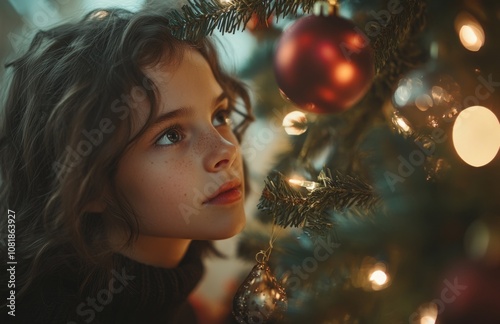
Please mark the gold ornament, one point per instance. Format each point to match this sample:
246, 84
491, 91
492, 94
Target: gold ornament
260, 298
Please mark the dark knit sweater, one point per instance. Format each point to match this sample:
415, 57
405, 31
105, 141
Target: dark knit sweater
136, 293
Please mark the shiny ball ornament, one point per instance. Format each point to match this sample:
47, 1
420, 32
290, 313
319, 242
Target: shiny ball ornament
324, 64
426, 98
260, 298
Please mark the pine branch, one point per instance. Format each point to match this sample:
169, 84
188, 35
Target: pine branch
279, 198
342, 192
294, 207
199, 18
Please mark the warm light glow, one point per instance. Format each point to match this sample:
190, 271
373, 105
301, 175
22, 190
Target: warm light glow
470, 32
402, 124
378, 277
356, 41
424, 102
428, 313
295, 123
476, 135
309, 185
467, 35
286, 54
226, 2
326, 94
472, 37
427, 320
343, 73
327, 52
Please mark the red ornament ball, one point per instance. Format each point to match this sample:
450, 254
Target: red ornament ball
324, 64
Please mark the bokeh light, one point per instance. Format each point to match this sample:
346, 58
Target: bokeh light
378, 277
476, 135
295, 123
470, 32
477, 239
428, 313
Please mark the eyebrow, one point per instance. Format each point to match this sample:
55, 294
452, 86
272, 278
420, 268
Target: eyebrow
180, 112
184, 111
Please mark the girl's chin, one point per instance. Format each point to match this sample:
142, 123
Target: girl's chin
231, 231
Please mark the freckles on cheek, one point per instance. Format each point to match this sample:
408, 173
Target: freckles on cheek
177, 176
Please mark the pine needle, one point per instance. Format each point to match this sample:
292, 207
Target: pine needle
298, 207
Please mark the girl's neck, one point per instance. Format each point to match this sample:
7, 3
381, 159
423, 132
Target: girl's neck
157, 251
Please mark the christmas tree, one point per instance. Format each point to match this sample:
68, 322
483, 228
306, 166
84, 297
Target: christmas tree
385, 208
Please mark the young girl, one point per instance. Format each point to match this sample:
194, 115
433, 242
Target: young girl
119, 163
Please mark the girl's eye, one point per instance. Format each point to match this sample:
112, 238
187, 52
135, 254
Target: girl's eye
171, 136
221, 117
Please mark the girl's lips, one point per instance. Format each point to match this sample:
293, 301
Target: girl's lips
226, 194
226, 197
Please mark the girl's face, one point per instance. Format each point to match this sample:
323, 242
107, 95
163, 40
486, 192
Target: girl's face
184, 176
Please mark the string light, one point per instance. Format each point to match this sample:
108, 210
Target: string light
309, 185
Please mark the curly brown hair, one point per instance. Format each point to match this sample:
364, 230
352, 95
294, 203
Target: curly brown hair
66, 123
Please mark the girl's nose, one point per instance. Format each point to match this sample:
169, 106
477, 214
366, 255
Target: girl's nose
220, 153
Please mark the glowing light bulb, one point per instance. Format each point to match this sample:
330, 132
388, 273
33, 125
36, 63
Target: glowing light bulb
476, 135
309, 185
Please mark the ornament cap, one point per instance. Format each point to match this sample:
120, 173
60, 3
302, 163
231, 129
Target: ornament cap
325, 8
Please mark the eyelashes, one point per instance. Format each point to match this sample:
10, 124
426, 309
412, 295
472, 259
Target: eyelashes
221, 116
176, 133
171, 136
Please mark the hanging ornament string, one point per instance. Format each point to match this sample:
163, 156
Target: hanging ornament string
263, 255
261, 298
